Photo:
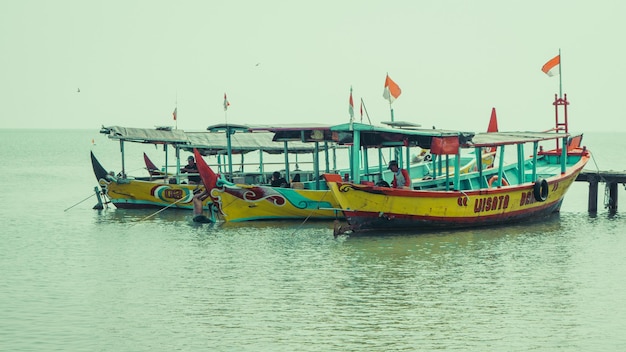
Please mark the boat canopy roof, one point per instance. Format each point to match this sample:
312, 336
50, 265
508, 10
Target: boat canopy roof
379, 136
157, 135
310, 132
241, 143
491, 139
408, 135
210, 143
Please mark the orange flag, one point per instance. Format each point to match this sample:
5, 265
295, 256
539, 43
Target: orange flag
392, 90
551, 67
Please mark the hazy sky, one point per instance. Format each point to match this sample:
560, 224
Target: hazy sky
294, 61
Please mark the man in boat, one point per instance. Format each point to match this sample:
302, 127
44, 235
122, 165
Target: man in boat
198, 198
278, 181
192, 169
400, 176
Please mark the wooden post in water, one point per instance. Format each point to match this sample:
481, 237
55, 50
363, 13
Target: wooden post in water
612, 197
611, 179
592, 205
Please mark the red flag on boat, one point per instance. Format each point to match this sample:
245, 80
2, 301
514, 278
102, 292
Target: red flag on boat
551, 67
493, 122
174, 113
493, 127
351, 107
226, 103
361, 109
209, 178
445, 145
392, 90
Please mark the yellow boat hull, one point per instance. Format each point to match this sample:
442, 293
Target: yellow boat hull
372, 207
137, 194
241, 202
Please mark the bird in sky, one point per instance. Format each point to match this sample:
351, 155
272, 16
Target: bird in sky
78, 91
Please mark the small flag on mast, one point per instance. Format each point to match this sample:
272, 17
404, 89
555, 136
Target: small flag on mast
174, 113
226, 103
351, 107
551, 67
392, 90
361, 109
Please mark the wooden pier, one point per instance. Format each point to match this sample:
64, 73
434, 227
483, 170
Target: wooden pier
610, 178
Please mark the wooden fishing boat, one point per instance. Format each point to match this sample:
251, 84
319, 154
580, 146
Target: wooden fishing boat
160, 189
529, 188
310, 198
127, 192
307, 199
172, 189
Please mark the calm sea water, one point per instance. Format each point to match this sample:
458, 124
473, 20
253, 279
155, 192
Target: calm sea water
78, 279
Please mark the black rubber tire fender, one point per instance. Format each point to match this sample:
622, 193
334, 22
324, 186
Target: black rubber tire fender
540, 190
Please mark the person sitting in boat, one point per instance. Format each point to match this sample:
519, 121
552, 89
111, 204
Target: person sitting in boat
423, 156
278, 181
191, 168
400, 176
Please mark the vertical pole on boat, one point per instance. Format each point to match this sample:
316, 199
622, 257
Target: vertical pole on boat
166, 164
563, 154
261, 168
123, 161
408, 162
479, 165
560, 75
177, 164
327, 169
286, 150
447, 172
501, 166
316, 164
356, 148
380, 163
334, 157
534, 172
229, 148
440, 168
457, 169
520, 162
366, 162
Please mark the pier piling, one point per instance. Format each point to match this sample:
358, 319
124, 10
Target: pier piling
611, 179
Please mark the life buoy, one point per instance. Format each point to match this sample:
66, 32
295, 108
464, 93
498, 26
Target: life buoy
540, 190
494, 178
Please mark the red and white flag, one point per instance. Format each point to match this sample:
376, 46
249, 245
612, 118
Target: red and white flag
226, 103
174, 113
551, 67
361, 109
351, 107
392, 90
